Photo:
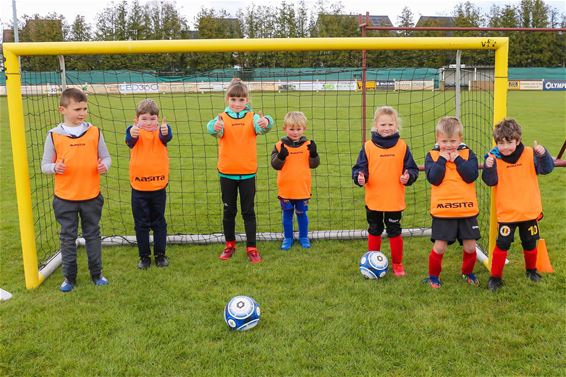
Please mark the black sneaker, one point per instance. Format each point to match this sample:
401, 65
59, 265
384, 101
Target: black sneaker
534, 275
493, 284
144, 263
161, 261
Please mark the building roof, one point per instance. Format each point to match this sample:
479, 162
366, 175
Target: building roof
441, 21
379, 20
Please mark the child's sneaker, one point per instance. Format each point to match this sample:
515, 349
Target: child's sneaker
144, 263
253, 254
101, 280
398, 269
67, 286
161, 261
471, 279
305, 242
228, 252
433, 281
493, 284
534, 275
287, 243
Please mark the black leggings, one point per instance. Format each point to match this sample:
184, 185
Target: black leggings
230, 188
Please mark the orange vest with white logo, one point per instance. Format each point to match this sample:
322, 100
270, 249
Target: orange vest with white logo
237, 151
294, 179
517, 195
149, 162
453, 198
81, 180
384, 190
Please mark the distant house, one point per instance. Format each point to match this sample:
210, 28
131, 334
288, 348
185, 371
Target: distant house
378, 21
438, 21
8, 35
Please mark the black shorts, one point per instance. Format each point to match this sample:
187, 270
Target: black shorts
528, 231
450, 230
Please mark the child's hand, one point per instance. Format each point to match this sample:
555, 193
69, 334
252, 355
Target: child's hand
135, 131
539, 149
219, 125
445, 155
312, 149
263, 122
454, 156
283, 153
489, 161
405, 177
60, 167
164, 128
361, 179
101, 167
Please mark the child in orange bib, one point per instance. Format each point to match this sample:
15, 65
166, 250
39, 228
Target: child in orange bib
236, 130
149, 176
76, 154
451, 168
293, 157
384, 167
512, 169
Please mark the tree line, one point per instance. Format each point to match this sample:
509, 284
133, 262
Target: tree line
131, 20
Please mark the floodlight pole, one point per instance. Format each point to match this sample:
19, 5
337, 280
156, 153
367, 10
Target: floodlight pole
15, 21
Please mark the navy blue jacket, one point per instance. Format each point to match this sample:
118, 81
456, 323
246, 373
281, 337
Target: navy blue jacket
164, 139
385, 143
543, 164
468, 169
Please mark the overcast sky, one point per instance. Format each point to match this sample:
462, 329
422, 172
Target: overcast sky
190, 8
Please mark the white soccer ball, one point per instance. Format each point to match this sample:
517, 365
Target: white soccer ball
242, 313
374, 265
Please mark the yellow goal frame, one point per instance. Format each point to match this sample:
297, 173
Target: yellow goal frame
12, 52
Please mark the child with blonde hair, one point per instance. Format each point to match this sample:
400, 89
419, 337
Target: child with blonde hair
236, 129
451, 168
293, 157
384, 167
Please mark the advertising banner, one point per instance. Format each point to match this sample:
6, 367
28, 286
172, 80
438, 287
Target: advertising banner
141, 87
530, 85
554, 85
514, 85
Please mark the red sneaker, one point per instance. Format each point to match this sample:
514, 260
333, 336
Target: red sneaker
253, 254
398, 269
228, 251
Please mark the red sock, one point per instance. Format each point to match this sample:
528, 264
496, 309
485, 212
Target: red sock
434, 263
468, 262
231, 243
396, 245
374, 243
498, 262
530, 258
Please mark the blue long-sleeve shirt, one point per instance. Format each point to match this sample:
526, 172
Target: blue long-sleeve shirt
385, 143
468, 169
543, 164
131, 141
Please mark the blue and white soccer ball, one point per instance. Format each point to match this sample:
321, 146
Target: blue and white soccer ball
242, 313
374, 265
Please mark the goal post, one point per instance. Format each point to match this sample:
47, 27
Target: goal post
14, 51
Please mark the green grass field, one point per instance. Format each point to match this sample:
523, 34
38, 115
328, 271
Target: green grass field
319, 316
